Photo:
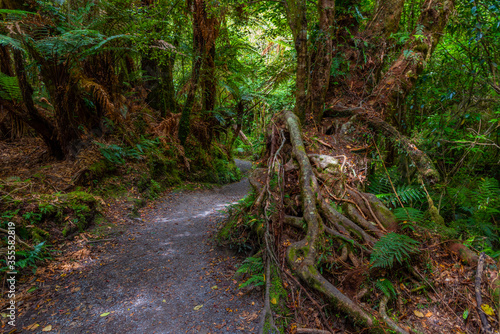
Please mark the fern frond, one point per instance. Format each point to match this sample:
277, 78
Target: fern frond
488, 192
391, 248
99, 94
386, 287
409, 214
251, 265
11, 42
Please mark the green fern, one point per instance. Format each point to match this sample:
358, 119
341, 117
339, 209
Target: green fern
409, 214
391, 248
254, 267
251, 265
386, 287
407, 194
488, 195
380, 183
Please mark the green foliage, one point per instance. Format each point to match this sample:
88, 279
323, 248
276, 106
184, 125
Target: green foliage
475, 213
406, 193
380, 185
9, 88
28, 258
409, 214
253, 267
386, 287
392, 247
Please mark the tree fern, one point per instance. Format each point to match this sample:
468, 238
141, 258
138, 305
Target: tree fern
391, 248
11, 42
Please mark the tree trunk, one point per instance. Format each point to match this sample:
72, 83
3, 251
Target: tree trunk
297, 20
197, 9
205, 31
320, 69
403, 73
31, 116
386, 19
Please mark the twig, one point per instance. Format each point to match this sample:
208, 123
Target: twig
486, 328
18, 240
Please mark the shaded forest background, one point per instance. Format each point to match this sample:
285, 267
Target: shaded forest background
124, 99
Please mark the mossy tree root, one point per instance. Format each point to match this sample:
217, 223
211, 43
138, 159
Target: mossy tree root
302, 256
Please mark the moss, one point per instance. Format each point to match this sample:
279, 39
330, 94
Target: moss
434, 216
163, 169
278, 297
98, 170
226, 230
38, 235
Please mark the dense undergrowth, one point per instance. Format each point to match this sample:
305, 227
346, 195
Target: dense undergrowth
136, 174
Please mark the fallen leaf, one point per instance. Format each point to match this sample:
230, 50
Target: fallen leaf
487, 309
105, 314
32, 327
47, 328
428, 314
214, 287
273, 301
196, 308
418, 314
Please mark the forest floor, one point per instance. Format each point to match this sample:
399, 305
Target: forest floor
159, 273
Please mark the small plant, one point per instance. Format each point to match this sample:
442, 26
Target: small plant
252, 266
29, 258
391, 248
32, 217
386, 287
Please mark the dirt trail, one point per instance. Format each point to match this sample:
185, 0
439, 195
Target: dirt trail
154, 277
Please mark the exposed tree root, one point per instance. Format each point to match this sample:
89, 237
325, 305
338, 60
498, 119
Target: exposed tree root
301, 255
388, 320
326, 246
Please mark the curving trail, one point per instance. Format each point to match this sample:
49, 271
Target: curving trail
152, 278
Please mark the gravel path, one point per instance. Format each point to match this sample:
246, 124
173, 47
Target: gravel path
164, 275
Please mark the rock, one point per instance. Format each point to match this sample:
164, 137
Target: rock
324, 161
